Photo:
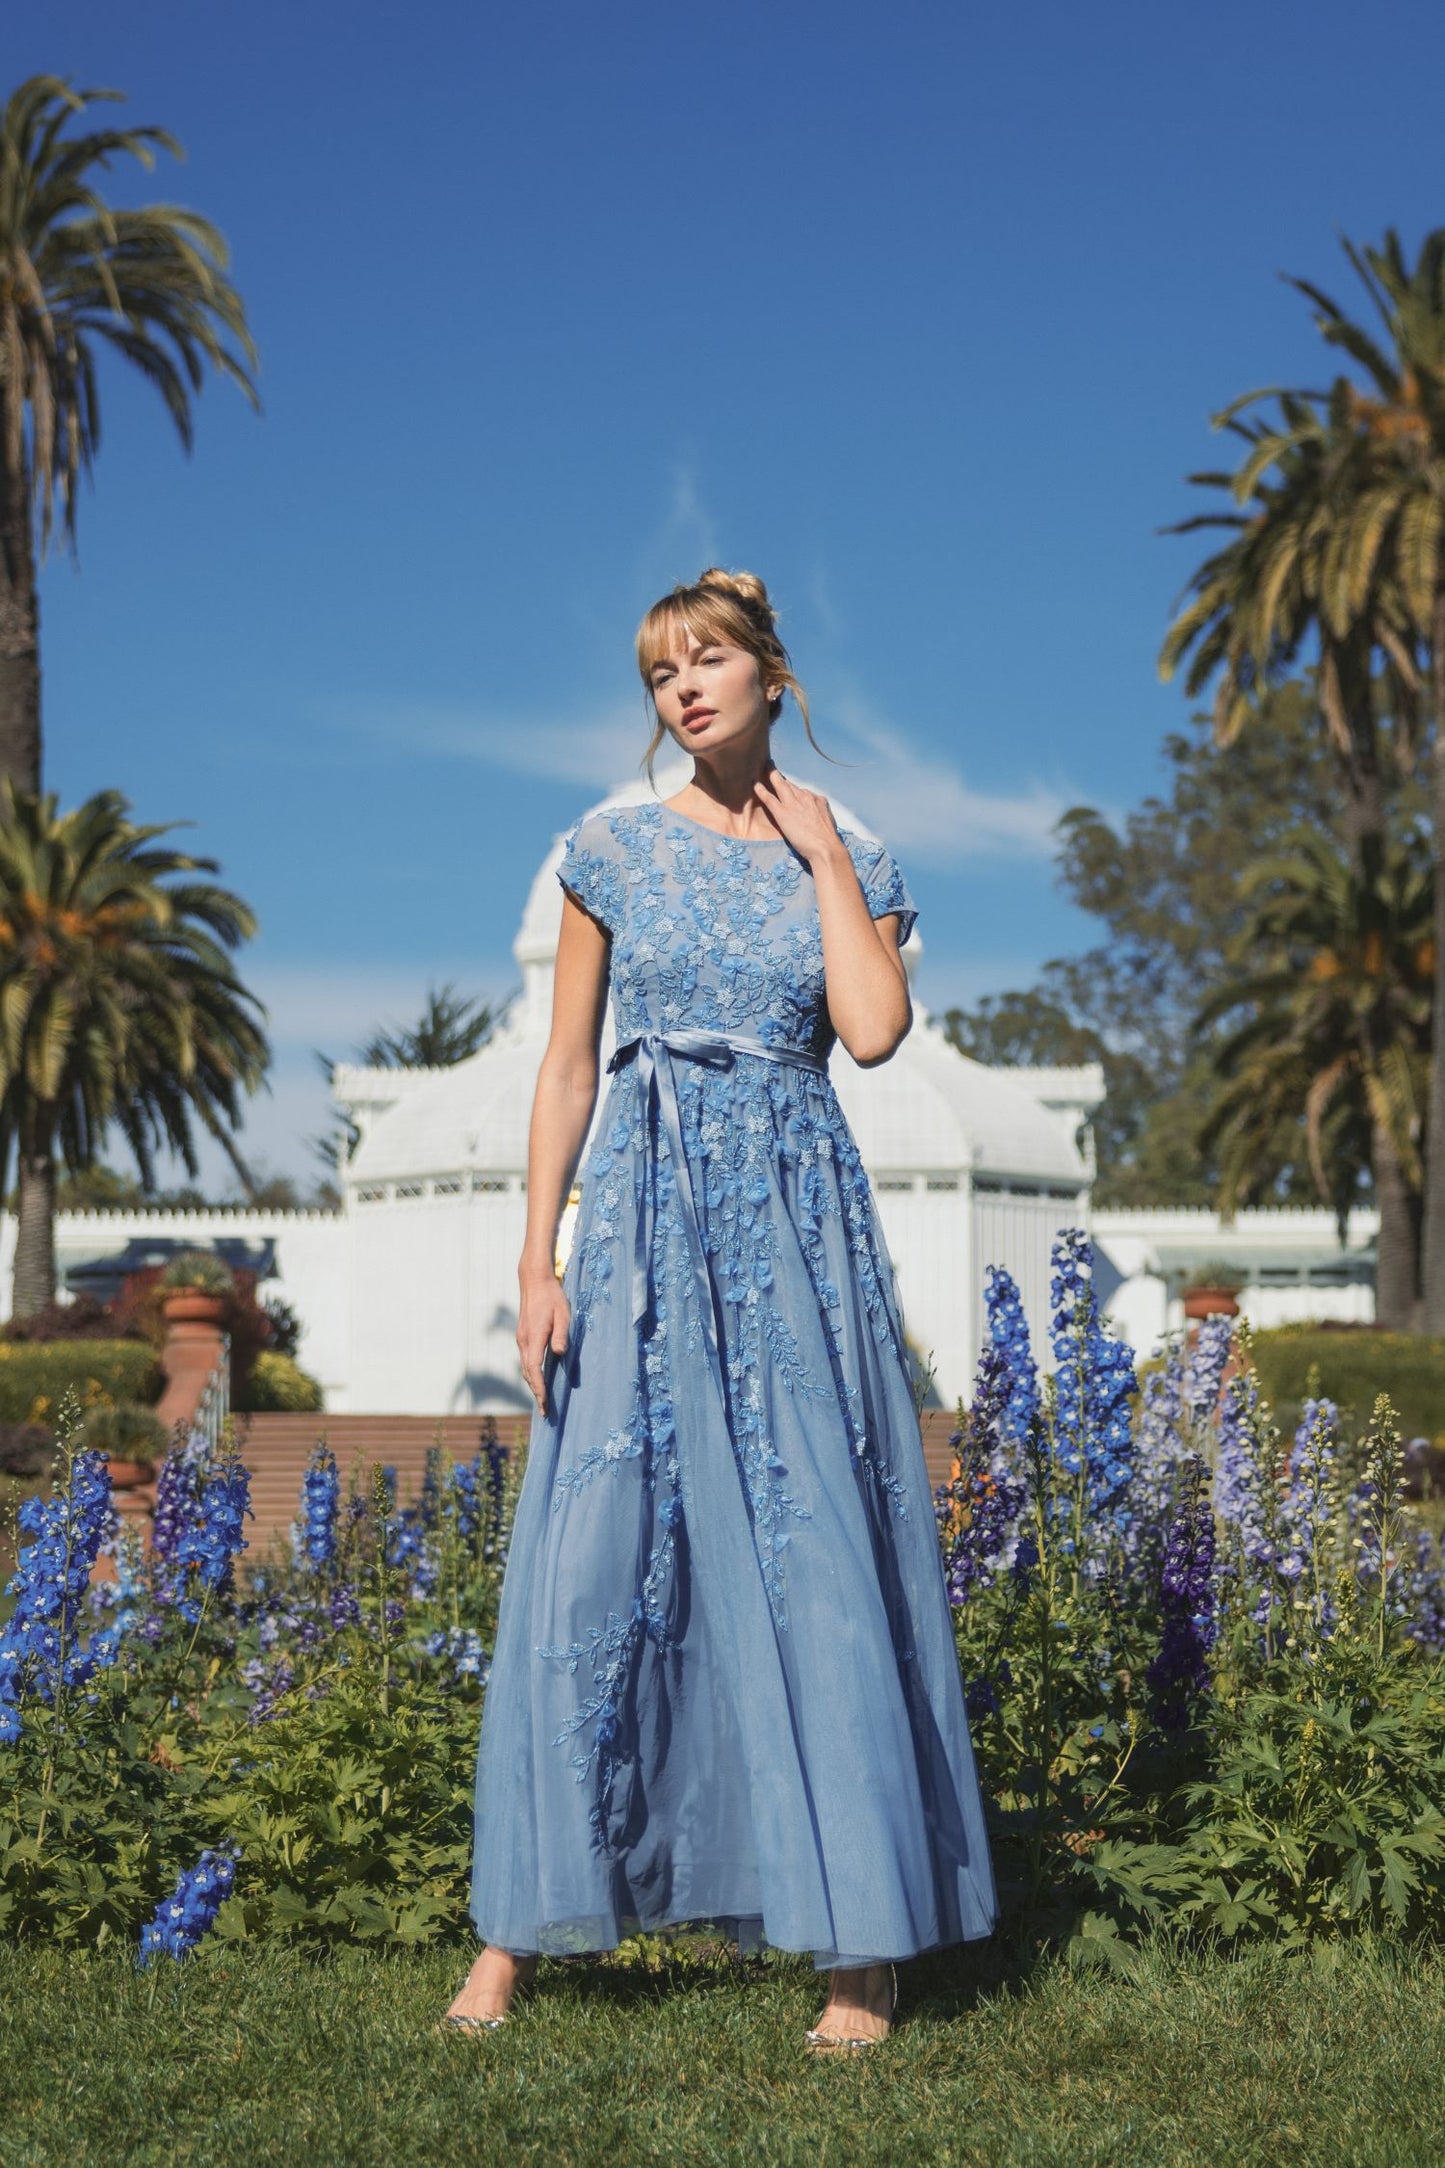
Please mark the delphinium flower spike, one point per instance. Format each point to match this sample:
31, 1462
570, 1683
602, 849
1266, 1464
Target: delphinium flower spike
320, 1505
1179, 1672
41, 1653
1009, 1335
183, 1919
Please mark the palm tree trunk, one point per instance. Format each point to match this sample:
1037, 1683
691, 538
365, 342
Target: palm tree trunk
1433, 1239
1397, 1250
35, 1235
19, 636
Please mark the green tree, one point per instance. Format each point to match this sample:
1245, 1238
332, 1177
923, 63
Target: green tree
1335, 987
1164, 887
1395, 529
77, 275
119, 1004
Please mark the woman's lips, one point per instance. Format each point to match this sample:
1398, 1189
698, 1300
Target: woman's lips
696, 722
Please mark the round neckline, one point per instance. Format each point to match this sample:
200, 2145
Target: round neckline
751, 842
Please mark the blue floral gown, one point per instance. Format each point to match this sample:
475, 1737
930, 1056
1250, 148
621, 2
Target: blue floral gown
724, 1686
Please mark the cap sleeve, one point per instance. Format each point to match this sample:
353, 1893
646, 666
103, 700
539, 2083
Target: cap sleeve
588, 869
884, 889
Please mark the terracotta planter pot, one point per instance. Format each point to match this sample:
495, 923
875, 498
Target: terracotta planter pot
1202, 1302
189, 1306
130, 1474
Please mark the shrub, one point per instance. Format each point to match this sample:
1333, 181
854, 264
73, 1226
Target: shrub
83, 1319
198, 1270
125, 1432
35, 1376
1353, 1365
278, 1386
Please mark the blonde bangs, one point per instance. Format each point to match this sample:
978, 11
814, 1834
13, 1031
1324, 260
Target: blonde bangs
709, 616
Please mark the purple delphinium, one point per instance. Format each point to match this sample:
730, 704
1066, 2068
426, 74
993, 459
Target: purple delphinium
1307, 1510
320, 1503
1094, 1379
980, 1509
1422, 1578
1008, 1333
1179, 1671
269, 1679
186, 1917
1159, 1447
40, 1651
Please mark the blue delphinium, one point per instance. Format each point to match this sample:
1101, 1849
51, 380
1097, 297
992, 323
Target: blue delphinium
1204, 1375
185, 1918
1179, 1672
1008, 1333
40, 1649
320, 1505
214, 1531
459, 1649
1094, 1379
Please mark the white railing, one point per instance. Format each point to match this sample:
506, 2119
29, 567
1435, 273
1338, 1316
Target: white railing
214, 1407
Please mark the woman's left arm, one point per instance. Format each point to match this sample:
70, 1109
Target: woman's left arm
868, 999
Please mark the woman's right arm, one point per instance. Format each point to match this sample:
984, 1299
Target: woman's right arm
561, 1113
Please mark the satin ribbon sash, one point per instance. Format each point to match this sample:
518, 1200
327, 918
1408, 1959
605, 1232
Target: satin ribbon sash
653, 1053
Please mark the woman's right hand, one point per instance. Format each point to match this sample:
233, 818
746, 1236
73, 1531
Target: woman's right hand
542, 1323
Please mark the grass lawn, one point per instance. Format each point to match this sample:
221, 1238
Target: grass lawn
278, 2056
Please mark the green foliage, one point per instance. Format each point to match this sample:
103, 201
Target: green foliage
198, 1272
1347, 1364
279, 1386
1164, 887
342, 1763
125, 1432
35, 1376
354, 1822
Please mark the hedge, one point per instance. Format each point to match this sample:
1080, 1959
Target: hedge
278, 1386
1354, 1366
35, 1375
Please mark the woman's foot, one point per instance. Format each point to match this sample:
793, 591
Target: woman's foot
487, 1994
860, 2009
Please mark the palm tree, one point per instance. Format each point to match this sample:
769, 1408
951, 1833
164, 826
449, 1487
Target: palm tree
1398, 413
1336, 1036
119, 1004
1285, 577
76, 275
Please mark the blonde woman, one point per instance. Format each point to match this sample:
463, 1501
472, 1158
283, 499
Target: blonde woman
724, 1688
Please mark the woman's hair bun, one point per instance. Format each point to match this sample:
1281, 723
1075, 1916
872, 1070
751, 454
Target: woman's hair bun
745, 585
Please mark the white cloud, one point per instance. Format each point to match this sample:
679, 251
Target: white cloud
921, 802
595, 750
913, 797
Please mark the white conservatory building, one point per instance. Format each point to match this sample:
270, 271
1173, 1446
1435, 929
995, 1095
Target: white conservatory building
408, 1296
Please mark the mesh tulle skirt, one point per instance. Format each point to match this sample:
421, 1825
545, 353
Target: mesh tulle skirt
724, 1688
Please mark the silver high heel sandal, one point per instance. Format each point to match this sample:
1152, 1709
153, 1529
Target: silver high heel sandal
827, 2043
453, 2022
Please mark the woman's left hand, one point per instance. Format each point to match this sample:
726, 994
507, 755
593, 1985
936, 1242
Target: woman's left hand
804, 817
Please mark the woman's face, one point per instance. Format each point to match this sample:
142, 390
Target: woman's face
709, 696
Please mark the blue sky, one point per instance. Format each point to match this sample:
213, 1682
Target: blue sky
919, 311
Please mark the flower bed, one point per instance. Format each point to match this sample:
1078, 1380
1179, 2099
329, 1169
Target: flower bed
1203, 1666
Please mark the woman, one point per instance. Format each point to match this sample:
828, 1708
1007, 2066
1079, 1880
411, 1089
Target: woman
724, 1687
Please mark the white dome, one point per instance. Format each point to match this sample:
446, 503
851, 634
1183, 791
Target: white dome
929, 1108
932, 1109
